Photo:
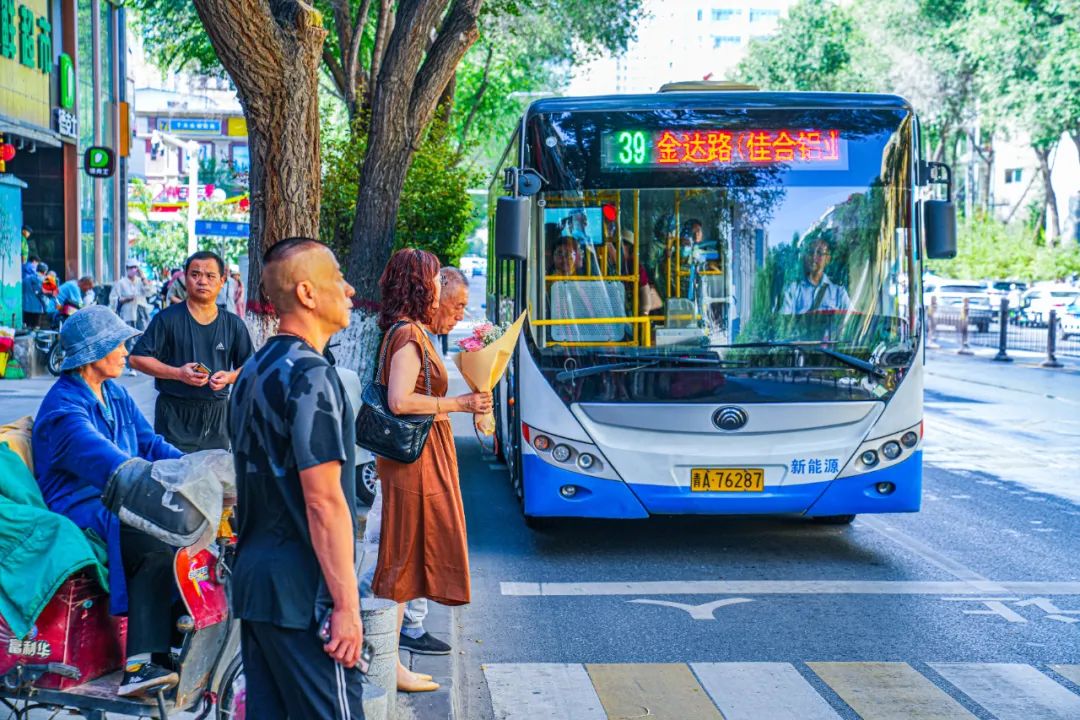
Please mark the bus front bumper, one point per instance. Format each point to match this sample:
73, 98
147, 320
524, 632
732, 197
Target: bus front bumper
602, 498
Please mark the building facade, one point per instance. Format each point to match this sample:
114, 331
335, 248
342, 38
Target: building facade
61, 64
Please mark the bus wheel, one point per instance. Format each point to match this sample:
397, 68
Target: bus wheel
833, 519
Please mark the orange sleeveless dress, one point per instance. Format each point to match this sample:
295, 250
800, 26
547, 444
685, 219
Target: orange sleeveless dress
423, 551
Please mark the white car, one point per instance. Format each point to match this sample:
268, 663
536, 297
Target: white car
1069, 321
1036, 303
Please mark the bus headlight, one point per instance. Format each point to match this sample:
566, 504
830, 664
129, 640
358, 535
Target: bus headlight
585, 461
561, 453
910, 439
891, 450
542, 443
869, 458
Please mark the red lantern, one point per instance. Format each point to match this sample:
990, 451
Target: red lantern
245, 205
7, 152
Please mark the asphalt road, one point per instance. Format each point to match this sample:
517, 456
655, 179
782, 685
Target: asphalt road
973, 604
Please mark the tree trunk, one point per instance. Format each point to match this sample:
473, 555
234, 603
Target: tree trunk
1053, 225
273, 58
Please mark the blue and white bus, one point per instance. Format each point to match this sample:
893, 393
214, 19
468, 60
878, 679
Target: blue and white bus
725, 306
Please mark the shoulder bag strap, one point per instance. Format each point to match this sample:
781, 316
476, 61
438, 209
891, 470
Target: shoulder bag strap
383, 350
427, 363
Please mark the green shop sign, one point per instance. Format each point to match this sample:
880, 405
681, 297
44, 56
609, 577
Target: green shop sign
25, 37
67, 82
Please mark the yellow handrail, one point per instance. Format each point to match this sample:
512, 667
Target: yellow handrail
642, 320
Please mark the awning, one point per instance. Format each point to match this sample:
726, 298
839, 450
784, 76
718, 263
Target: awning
39, 135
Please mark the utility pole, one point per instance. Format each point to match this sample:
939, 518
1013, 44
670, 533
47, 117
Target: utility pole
191, 148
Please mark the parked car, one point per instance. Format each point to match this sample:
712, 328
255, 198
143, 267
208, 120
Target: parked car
950, 296
1013, 289
1069, 322
1036, 303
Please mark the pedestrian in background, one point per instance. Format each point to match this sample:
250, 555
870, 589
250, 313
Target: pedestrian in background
292, 429
423, 550
195, 351
239, 295
35, 313
72, 294
177, 292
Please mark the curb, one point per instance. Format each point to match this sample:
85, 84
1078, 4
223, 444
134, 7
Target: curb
437, 705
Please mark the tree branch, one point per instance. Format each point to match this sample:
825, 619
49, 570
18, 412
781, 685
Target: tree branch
480, 90
383, 31
459, 31
352, 60
255, 44
338, 75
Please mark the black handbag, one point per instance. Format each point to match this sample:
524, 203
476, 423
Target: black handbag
395, 437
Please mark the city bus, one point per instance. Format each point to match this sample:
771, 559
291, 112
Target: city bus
724, 302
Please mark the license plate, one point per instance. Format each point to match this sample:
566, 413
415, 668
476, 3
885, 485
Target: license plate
727, 480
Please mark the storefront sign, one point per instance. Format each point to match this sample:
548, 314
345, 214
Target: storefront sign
99, 162
67, 82
189, 126
66, 123
236, 127
26, 61
221, 228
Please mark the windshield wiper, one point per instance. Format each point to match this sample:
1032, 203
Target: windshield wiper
849, 360
637, 362
575, 373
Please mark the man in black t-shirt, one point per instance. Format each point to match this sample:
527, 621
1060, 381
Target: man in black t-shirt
294, 444
195, 351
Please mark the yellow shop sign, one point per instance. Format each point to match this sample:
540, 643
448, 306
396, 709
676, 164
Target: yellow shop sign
26, 60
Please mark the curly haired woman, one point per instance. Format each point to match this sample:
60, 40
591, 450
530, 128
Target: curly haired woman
423, 551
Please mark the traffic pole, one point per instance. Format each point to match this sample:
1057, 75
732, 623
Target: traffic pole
1003, 332
1051, 360
964, 348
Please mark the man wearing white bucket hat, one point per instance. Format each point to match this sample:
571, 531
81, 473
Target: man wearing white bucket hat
87, 427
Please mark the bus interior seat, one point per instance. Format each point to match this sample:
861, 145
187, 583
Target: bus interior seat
574, 299
679, 313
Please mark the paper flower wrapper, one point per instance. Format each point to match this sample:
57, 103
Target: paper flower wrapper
482, 369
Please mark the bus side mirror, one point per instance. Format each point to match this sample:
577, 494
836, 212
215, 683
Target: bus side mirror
939, 216
939, 229
512, 228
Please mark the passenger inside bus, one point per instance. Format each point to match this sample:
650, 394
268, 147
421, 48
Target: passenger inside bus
815, 292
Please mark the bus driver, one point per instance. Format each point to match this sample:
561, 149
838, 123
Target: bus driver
815, 291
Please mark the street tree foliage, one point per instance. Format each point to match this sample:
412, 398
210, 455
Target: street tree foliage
393, 64
971, 68
435, 214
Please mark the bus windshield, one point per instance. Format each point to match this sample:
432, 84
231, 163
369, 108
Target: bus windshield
724, 244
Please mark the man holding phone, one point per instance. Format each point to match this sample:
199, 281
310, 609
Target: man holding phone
195, 352
294, 578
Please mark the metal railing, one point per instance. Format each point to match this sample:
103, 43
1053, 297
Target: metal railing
970, 330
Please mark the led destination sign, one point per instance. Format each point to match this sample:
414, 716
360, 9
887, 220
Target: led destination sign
676, 148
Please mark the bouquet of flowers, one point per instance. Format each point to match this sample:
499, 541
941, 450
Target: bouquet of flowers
483, 359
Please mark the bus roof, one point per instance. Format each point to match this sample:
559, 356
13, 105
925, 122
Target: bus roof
719, 99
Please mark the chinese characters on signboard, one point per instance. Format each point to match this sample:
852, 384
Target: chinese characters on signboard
632, 149
25, 37
815, 466
190, 126
66, 123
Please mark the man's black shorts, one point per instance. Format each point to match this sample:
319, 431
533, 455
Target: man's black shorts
192, 425
288, 675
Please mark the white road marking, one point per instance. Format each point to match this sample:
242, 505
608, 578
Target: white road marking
757, 690
784, 587
930, 555
996, 606
1012, 692
698, 612
542, 691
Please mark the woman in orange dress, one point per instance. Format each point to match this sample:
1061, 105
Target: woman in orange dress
423, 551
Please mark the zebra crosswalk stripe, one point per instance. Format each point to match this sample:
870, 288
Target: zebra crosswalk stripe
1012, 691
889, 691
542, 691
777, 691
756, 690
656, 691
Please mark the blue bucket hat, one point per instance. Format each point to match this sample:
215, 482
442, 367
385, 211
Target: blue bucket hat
91, 334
